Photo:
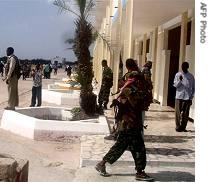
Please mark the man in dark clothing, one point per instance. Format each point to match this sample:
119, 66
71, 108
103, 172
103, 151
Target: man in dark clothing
11, 79
130, 127
107, 83
68, 70
2, 69
146, 71
24, 71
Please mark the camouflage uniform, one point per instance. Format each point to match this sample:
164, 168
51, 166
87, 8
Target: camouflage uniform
107, 83
131, 138
130, 128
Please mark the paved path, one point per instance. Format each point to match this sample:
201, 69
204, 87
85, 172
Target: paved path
170, 154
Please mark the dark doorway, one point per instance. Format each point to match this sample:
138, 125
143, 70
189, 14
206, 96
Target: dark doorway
147, 45
174, 46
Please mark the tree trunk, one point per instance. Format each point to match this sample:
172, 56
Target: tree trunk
88, 102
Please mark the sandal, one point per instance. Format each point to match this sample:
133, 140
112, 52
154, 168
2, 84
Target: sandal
102, 170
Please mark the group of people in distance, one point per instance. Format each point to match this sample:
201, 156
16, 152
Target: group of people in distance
12, 75
134, 98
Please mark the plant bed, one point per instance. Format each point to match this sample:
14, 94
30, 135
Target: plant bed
51, 123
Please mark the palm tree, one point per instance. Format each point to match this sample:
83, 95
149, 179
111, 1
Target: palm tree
81, 43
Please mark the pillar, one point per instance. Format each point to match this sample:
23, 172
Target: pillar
128, 28
154, 53
183, 38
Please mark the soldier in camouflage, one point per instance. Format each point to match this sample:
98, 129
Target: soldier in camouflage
107, 83
131, 106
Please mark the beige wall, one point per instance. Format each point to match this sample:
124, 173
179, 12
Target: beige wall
158, 54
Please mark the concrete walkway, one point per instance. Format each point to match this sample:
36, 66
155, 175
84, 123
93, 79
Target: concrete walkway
170, 155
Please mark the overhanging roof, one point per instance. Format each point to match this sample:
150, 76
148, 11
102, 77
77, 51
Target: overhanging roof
150, 13
147, 13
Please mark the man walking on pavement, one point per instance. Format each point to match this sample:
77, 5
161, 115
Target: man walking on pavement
12, 79
107, 83
130, 125
185, 89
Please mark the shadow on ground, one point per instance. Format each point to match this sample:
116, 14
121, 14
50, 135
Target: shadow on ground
167, 139
159, 117
165, 176
171, 151
172, 176
152, 110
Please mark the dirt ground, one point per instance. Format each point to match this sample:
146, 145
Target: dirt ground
48, 161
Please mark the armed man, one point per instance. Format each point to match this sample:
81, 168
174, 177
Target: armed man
107, 83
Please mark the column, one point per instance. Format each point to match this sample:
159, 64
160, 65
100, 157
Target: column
183, 39
116, 70
127, 53
116, 51
136, 50
163, 86
158, 68
154, 53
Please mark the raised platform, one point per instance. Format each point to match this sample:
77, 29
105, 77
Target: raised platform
50, 123
61, 97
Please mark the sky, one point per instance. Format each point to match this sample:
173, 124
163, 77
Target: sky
35, 29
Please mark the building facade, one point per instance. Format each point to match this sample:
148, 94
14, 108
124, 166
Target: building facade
157, 30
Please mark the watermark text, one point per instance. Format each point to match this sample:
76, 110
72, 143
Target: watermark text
203, 22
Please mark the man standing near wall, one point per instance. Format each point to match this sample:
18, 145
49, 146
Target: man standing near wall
146, 71
107, 83
185, 89
12, 79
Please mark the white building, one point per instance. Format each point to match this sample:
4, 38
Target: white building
162, 31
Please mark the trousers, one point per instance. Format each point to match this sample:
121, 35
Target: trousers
36, 94
103, 97
131, 138
13, 99
182, 109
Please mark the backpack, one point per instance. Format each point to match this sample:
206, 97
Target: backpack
144, 92
17, 70
139, 91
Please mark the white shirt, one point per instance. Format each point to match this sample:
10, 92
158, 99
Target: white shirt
185, 89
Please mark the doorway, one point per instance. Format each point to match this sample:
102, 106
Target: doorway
173, 45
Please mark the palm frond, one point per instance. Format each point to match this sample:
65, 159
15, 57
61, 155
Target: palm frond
81, 4
101, 36
89, 7
63, 6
